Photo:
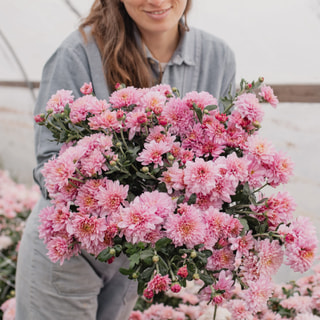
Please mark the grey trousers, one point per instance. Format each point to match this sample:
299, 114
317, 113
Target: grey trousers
82, 288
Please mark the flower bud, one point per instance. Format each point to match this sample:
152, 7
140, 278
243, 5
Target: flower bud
155, 258
261, 79
112, 251
193, 254
175, 288
112, 163
135, 275
145, 169
196, 276
170, 157
118, 144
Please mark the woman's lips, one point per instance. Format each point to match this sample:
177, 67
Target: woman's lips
157, 13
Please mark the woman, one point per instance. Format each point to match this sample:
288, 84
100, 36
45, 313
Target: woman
139, 43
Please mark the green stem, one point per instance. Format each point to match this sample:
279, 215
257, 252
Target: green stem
257, 190
215, 312
123, 139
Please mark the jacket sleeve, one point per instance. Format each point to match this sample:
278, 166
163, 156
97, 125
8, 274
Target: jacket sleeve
66, 69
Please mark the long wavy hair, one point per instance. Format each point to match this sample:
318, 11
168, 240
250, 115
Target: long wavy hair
122, 58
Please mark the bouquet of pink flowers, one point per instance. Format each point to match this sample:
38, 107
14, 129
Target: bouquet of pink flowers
176, 185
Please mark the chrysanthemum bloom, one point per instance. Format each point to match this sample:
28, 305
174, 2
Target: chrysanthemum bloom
242, 244
61, 248
58, 101
110, 196
270, 256
217, 132
179, 116
159, 283
105, 120
173, 178
161, 201
125, 97
302, 304
135, 121
183, 272
154, 101
247, 104
279, 170
187, 229
58, 171
200, 99
138, 220
267, 94
193, 312
258, 293
224, 284
136, 315
239, 310
279, 209
216, 222
94, 163
221, 259
86, 88
157, 134
260, 148
153, 152
81, 107
237, 167
89, 230
199, 176
9, 309
86, 199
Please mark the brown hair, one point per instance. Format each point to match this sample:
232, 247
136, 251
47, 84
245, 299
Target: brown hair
113, 30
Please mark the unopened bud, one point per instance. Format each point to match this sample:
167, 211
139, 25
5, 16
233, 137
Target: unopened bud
112, 251
145, 169
193, 254
155, 259
196, 276
170, 157
261, 79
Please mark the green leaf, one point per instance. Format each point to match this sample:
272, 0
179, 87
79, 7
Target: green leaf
104, 255
147, 273
192, 199
162, 243
126, 272
146, 254
245, 224
211, 107
134, 260
198, 112
207, 279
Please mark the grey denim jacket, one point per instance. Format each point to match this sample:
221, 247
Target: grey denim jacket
202, 62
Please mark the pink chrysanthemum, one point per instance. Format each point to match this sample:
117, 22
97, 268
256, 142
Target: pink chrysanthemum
81, 107
173, 178
89, 230
86, 88
242, 244
159, 283
199, 176
153, 101
200, 99
301, 244
61, 248
161, 201
270, 256
239, 310
301, 304
187, 229
138, 220
125, 97
153, 153
258, 293
105, 120
247, 104
220, 259
260, 148
279, 170
179, 116
110, 196
59, 100
267, 94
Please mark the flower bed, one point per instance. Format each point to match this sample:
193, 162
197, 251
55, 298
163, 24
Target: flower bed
16, 202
